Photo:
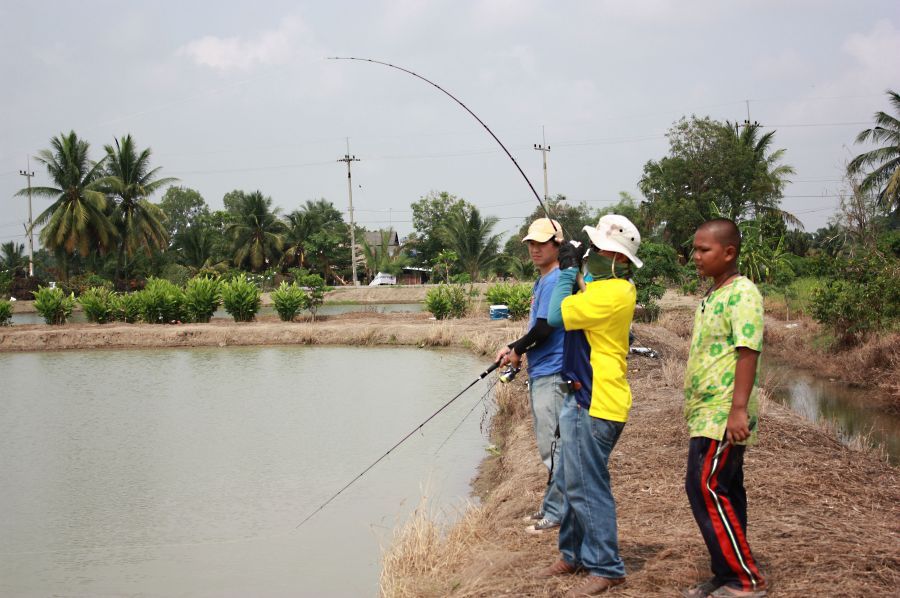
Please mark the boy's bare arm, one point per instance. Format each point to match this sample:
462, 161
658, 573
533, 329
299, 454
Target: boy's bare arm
738, 427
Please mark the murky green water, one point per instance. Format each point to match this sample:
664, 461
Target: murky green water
185, 472
848, 408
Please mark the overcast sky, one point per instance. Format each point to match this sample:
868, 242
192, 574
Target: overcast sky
238, 95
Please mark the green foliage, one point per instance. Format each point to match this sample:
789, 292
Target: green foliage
97, 303
764, 259
313, 285
53, 304
517, 297
81, 283
241, 298
176, 274
448, 301
5, 312
713, 168
428, 216
660, 266
462, 278
162, 302
6, 279
864, 297
201, 298
289, 299
470, 236
881, 165
256, 233
184, 209
127, 307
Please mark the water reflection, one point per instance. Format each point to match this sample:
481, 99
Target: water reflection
848, 408
185, 472
325, 310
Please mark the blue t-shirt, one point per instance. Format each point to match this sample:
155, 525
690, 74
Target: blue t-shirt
546, 358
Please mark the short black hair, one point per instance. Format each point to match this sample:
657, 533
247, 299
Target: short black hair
725, 231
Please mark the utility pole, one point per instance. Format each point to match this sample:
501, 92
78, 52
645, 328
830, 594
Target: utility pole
348, 158
544, 149
28, 173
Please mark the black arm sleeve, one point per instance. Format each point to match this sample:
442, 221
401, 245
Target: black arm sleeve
534, 337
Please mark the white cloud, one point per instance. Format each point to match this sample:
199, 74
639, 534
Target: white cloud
290, 40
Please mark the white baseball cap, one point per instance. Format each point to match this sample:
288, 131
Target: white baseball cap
544, 229
616, 233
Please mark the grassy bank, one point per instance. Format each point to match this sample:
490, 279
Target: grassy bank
823, 517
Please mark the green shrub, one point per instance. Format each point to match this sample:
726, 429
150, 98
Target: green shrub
6, 279
517, 297
447, 301
82, 283
289, 299
660, 266
202, 298
54, 305
97, 303
315, 288
864, 297
127, 307
241, 298
161, 302
176, 274
5, 312
463, 278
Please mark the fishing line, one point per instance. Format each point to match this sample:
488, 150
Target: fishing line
480, 377
466, 416
466, 108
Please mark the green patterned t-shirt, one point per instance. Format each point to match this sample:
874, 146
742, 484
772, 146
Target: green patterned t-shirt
730, 317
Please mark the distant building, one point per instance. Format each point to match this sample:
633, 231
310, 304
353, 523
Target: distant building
413, 275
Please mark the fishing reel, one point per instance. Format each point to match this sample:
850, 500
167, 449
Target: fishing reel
509, 374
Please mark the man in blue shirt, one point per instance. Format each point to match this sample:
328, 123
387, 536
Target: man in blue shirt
544, 346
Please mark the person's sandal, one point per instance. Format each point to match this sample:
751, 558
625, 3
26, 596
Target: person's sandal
727, 591
702, 589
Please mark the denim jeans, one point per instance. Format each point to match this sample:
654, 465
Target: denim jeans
588, 535
546, 403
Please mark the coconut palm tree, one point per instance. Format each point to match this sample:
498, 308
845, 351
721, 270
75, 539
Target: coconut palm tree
469, 236
764, 176
881, 166
12, 257
382, 256
77, 220
130, 181
257, 233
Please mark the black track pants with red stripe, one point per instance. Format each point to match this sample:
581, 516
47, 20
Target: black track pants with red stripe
715, 488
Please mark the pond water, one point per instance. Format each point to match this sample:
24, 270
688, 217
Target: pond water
186, 472
817, 399
325, 310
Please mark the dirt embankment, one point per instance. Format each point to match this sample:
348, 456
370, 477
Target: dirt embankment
824, 520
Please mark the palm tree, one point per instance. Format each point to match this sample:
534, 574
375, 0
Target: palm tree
13, 257
316, 234
77, 220
765, 177
469, 236
257, 234
382, 257
194, 246
130, 181
882, 163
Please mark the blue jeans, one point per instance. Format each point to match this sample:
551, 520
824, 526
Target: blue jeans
546, 404
588, 535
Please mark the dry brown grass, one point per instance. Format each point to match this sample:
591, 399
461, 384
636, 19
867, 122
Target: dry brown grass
824, 518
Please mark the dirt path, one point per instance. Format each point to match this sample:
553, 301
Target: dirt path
824, 519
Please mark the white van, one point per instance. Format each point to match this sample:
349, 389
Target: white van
383, 278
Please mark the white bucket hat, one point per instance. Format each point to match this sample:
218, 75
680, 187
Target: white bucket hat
616, 233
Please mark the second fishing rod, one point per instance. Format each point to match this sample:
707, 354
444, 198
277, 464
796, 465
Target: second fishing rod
480, 377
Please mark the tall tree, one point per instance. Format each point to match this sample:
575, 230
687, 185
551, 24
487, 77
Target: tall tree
318, 239
881, 166
12, 257
429, 214
77, 220
257, 233
712, 169
183, 207
382, 256
572, 219
130, 181
470, 237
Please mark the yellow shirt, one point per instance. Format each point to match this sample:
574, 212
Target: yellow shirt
603, 312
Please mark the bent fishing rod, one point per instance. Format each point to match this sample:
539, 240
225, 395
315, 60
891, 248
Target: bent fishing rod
480, 377
475, 116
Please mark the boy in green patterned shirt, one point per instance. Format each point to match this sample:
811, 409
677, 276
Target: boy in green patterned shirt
720, 406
